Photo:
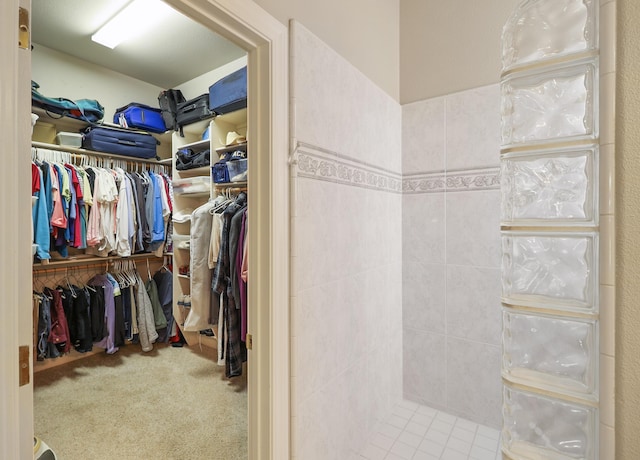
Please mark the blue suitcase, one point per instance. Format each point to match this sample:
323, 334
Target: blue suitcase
119, 141
140, 116
229, 93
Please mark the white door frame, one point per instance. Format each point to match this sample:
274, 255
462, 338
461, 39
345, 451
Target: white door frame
266, 41
16, 403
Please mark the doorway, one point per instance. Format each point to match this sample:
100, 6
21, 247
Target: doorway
265, 40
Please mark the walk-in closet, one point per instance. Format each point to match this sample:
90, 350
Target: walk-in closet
139, 264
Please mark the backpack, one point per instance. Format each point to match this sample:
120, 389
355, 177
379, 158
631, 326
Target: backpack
168, 101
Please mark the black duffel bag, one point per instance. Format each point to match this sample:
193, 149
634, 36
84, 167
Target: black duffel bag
188, 159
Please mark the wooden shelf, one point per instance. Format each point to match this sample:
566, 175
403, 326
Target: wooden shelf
197, 145
202, 171
89, 259
62, 123
232, 148
196, 128
238, 117
226, 185
193, 194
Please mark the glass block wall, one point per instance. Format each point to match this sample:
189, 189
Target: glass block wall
550, 230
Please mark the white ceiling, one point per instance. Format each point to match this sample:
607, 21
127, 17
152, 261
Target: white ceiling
180, 49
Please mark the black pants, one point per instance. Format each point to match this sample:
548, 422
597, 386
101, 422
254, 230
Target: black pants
81, 306
97, 308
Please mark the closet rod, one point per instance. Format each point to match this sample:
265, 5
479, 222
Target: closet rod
66, 269
92, 153
239, 187
86, 261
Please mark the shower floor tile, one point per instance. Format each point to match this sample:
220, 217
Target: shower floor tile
416, 432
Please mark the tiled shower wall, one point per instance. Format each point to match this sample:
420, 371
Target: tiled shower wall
346, 306
451, 254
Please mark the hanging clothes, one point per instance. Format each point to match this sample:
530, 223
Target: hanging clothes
103, 211
81, 302
201, 275
102, 282
160, 321
124, 217
235, 237
163, 279
39, 213
241, 276
59, 329
146, 323
135, 331
46, 349
235, 350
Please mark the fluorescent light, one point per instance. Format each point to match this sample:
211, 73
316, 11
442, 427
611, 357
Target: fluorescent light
134, 20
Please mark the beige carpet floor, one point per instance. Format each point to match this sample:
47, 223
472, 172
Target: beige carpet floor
170, 403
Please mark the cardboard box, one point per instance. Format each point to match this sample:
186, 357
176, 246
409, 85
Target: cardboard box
44, 132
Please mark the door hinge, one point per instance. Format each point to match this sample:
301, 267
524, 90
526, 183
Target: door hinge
23, 359
24, 36
249, 342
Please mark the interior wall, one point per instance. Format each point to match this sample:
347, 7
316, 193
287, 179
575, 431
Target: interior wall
449, 46
627, 225
364, 32
451, 254
52, 69
199, 85
346, 306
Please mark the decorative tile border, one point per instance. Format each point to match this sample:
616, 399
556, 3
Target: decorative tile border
317, 163
452, 181
424, 183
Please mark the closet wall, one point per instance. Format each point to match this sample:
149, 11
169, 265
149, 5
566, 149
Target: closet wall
346, 306
61, 74
451, 253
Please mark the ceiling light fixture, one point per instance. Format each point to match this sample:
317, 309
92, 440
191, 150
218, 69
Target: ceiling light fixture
135, 19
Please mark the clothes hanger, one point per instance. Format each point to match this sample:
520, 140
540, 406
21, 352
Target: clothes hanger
69, 286
75, 277
220, 203
164, 264
117, 272
131, 272
45, 285
59, 288
128, 275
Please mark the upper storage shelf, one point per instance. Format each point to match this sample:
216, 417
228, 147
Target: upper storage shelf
48, 126
61, 123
